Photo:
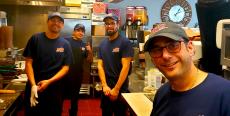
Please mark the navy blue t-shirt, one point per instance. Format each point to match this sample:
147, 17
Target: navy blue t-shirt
49, 55
79, 54
111, 52
210, 98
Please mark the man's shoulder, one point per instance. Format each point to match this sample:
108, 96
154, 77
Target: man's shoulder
218, 81
38, 35
123, 38
104, 41
164, 89
68, 38
62, 39
215, 77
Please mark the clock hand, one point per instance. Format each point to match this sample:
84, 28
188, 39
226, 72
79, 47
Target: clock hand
178, 11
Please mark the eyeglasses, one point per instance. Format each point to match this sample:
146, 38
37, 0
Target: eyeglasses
171, 47
56, 20
110, 24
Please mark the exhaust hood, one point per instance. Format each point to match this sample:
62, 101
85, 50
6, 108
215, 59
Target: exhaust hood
33, 2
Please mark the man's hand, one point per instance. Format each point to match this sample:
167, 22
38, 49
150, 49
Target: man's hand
34, 96
106, 90
88, 48
42, 85
114, 94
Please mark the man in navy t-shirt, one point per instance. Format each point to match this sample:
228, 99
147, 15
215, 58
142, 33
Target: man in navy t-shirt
82, 54
48, 57
115, 55
190, 91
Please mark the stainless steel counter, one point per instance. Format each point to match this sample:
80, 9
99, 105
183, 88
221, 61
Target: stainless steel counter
10, 102
137, 98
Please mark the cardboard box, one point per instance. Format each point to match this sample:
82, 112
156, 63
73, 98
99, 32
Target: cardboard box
98, 30
100, 8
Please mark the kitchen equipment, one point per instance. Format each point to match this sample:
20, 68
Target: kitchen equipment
223, 43
33, 2
82, 12
130, 12
141, 15
6, 37
71, 22
3, 53
221, 25
1, 81
3, 19
209, 12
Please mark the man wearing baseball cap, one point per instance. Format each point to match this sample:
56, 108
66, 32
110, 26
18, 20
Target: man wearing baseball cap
115, 53
56, 14
82, 54
113, 17
189, 90
48, 57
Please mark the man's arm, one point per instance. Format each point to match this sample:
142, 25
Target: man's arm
124, 72
60, 74
29, 70
101, 73
89, 53
122, 77
30, 74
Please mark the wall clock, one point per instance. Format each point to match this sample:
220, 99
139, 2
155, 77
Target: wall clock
177, 11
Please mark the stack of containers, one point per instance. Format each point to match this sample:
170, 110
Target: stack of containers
99, 12
6, 32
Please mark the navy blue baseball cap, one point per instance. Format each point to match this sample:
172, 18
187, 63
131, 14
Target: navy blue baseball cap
113, 17
79, 26
56, 14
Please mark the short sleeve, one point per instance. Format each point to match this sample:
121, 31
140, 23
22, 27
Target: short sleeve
30, 49
68, 54
127, 49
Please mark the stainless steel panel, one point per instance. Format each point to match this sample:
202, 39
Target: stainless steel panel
69, 26
26, 20
96, 40
225, 48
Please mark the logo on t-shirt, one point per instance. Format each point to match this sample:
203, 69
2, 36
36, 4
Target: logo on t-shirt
83, 49
60, 49
116, 50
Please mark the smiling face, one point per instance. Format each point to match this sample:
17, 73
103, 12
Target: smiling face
79, 33
111, 26
55, 25
173, 64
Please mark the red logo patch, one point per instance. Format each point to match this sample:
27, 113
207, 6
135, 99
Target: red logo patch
159, 27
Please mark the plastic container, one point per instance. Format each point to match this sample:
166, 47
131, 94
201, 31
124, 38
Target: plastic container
130, 13
154, 77
3, 19
140, 14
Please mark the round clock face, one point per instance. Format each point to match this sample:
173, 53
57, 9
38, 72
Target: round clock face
177, 11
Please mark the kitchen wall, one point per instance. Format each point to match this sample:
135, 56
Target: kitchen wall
26, 20
32, 19
154, 9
